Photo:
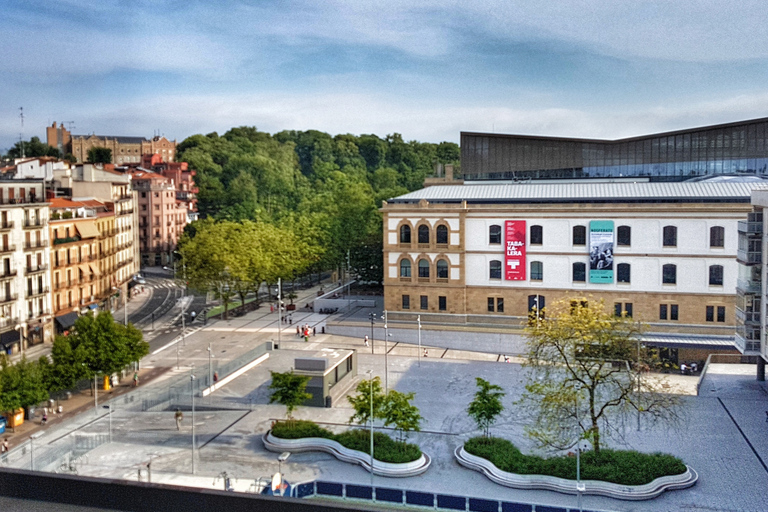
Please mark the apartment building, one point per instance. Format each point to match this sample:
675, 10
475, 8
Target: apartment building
162, 217
25, 308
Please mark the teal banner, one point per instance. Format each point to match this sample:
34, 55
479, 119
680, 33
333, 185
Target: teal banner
601, 251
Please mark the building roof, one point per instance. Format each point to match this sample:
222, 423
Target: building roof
688, 341
118, 138
537, 192
142, 174
63, 202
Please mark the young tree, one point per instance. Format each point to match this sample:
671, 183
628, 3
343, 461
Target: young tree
398, 410
289, 390
22, 384
367, 390
585, 371
486, 406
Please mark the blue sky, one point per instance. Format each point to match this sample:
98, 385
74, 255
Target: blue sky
425, 69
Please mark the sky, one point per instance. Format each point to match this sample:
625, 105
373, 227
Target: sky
427, 69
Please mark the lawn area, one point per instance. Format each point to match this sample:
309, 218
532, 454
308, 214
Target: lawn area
617, 466
385, 449
220, 309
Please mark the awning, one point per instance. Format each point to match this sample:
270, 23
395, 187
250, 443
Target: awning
9, 338
94, 269
87, 229
66, 321
93, 306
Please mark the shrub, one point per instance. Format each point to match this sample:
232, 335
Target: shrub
385, 449
616, 466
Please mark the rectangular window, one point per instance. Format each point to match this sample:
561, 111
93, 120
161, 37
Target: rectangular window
710, 313
424, 302
491, 305
500, 305
406, 302
673, 312
628, 309
721, 313
617, 308
662, 312
441, 303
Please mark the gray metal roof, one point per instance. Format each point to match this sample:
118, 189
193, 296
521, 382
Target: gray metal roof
681, 340
532, 192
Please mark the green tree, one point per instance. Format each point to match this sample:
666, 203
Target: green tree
289, 390
99, 155
400, 412
32, 148
586, 370
22, 384
486, 406
367, 390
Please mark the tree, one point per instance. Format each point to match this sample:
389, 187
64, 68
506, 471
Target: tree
32, 148
361, 402
289, 390
486, 406
99, 155
22, 384
400, 412
586, 370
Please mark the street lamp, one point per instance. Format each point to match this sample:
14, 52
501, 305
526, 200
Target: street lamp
370, 380
192, 388
372, 316
210, 365
418, 319
279, 308
32, 449
95, 393
110, 419
386, 363
280, 459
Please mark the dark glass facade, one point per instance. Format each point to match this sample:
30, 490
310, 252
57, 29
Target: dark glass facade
675, 156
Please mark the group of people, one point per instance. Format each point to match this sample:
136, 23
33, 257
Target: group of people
304, 330
687, 369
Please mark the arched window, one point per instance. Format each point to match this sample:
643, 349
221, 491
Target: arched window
423, 234
441, 235
405, 234
537, 271
495, 269
624, 235
669, 274
623, 273
579, 272
717, 236
579, 235
716, 275
670, 236
442, 269
423, 268
494, 234
537, 235
405, 268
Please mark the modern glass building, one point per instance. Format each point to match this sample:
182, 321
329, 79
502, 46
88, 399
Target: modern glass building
724, 149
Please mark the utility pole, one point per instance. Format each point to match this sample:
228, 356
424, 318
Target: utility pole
279, 309
21, 135
386, 362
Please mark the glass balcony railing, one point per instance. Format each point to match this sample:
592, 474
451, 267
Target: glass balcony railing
748, 286
747, 346
753, 228
749, 257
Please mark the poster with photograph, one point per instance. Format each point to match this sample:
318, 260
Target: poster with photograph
601, 251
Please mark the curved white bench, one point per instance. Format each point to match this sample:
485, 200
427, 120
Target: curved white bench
600, 488
307, 444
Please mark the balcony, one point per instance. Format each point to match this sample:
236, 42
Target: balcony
750, 227
35, 245
67, 240
8, 298
39, 314
747, 344
7, 323
7, 249
8, 274
23, 200
748, 317
7, 226
35, 223
61, 285
747, 286
34, 269
127, 197
749, 257
129, 211
42, 291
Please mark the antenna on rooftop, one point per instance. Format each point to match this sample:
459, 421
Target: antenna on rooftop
21, 135
70, 125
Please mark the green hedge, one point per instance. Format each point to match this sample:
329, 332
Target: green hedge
619, 467
385, 449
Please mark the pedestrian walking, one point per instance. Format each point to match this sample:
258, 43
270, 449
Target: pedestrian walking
314, 331
426, 354
365, 340
178, 416
5, 446
298, 332
136, 379
271, 308
215, 376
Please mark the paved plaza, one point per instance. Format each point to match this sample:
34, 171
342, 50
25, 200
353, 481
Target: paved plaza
724, 436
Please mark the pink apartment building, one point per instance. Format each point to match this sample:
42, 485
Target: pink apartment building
162, 217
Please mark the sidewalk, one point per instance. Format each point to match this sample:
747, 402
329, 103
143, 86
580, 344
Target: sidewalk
79, 403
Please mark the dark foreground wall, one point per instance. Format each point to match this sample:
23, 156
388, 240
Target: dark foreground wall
123, 495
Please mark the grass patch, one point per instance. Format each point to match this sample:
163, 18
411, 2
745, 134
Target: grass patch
385, 449
218, 310
623, 467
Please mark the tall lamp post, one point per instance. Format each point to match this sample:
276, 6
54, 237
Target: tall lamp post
192, 387
210, 365
109, 406
386, 363
372, 316
279, 309
370, 380
32, 449
418, 319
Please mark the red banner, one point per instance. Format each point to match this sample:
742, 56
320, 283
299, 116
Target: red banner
514, 250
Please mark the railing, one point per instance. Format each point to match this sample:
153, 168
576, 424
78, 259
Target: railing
42, 291
126, 212
746, 345
124, 198
5, 275
8, 248
754, 228
21, 200
39, 314
36, 268
748, 285
748, 316
36, 245
749, 256
9, 298
35, 223
66, 240
6, 226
